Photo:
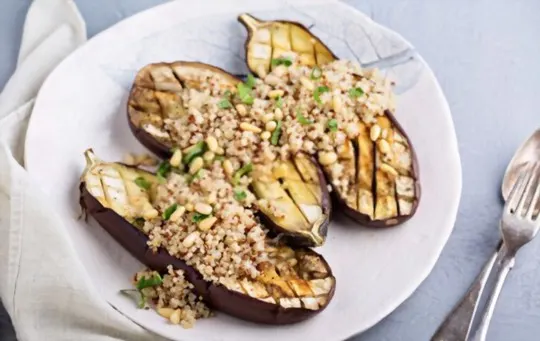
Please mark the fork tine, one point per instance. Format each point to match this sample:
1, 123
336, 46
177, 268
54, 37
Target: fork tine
526, 193
517, 190
534, 201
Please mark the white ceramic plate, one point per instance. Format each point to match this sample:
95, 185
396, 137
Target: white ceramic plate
82, 104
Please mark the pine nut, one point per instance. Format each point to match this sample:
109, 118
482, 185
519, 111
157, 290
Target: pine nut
176, 159
165, 312
203, 208
384, 133
271, 126
384, 147
327, 158
190, 239
148, 160
207, 223
175, 317
276, 93
337, 104
241, 109
388, 169
177, 214
220, 151
189, 207
150, 214
261, 71
375, 132
278, 113
268, 117
228, 167
212, 143
195, 165
250, 127
306, 83
129, 159
265, 135
208, 156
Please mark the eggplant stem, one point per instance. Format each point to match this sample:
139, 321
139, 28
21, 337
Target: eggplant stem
249, 21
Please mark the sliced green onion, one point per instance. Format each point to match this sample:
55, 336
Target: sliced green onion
279, 102
224, 104
281, 61
301, 118
276, 134
244, 93
143, 183
355, 92
241, 172
191, 178
316, 73
163, 170
149, 282
318, 91
197, 217
137, 295
169, 211
240, 195
250, 82
194, 151
333, 125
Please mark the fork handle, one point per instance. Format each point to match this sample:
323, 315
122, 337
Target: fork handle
457, 325
507, 264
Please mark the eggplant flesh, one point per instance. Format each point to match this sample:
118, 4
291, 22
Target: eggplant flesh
381, 175
272, 40
292, 286
299, 206
296, 200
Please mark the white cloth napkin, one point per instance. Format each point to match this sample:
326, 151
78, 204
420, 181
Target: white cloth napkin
42, 283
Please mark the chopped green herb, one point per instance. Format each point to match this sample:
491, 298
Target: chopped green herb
227, 94
149, 282
241, 172
244, 93
240, 195
301, 118
197, 217
316, 73
137, 295
250, 82
169, 211
143, 183
276, 134
332, 124
281, 61
224, 104
194, 151
139, 222
279, 102
355, 92
163, 170
318, 92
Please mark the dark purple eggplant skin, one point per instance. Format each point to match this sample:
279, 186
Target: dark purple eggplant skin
365, 220
216, 296
295, 239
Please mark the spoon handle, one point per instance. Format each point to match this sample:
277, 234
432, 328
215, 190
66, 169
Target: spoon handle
457, 325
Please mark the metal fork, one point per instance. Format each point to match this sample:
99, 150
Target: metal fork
519, 225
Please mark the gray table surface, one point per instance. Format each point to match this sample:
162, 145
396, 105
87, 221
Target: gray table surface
486, 56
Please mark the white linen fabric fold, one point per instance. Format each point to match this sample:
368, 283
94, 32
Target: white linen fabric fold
42, 283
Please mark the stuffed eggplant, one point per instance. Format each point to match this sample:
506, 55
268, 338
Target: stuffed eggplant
206, 113
194, 225
270, 43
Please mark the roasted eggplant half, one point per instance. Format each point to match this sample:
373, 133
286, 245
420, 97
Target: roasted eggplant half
296, 202
293, 285
156, 96
269, 42
381, 175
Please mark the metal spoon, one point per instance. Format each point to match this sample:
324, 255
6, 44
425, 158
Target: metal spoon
458, 323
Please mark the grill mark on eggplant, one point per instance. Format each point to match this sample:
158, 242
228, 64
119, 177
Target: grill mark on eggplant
286, 189
316, 195
374, 178
356, 152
